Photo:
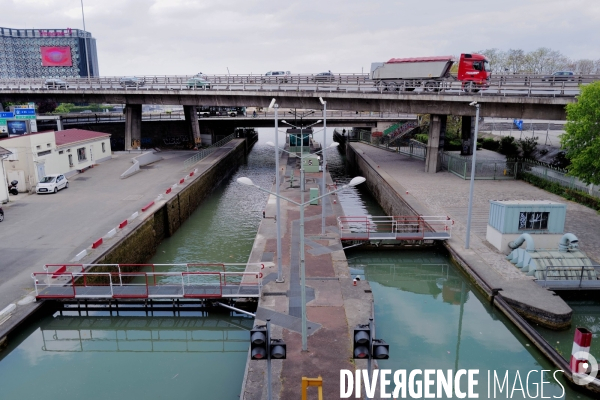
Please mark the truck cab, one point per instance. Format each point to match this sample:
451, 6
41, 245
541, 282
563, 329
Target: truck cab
474, 70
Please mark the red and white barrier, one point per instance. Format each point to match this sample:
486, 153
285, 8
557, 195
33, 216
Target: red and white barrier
581, 350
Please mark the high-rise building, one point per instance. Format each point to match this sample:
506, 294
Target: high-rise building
47, 53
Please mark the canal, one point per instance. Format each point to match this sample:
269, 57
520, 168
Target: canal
425, 309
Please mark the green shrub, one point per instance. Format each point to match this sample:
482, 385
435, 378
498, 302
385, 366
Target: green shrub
490, 144
422, 137
569, 194
508, 147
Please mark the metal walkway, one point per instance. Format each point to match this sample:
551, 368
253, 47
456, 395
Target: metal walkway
141, 281
399, 228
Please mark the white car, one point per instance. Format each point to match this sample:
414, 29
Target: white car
52, 184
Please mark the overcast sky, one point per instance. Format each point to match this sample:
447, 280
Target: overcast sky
147, 37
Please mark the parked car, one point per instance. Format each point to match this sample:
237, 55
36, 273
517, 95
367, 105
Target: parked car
197, 82
324, 77
1, 215
52, 183
131, 81
276, 76
55, 83
559, 76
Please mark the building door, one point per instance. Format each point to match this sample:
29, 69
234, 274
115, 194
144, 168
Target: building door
70, 160
41, 172
91, 154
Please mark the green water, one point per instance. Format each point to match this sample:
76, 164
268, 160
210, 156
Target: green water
433, 318
136, 357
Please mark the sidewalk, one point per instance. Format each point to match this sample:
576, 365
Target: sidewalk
334, 305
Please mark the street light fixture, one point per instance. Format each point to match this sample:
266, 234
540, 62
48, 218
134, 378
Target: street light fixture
324, 163
279, 279
472, 185
355, 181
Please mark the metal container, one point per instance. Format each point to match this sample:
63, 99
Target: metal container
527, 216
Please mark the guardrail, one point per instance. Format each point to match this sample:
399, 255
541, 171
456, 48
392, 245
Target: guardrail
569, 278
501, 85
207, 151
80, 281
411, 227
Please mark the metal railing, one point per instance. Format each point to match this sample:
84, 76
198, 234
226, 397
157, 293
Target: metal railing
411, 148
569, 278
484, 169
501, 85
207, 151
193, 281
559, 176
411, 227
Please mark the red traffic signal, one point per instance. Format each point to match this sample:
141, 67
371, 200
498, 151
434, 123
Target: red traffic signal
258, 343
362, 341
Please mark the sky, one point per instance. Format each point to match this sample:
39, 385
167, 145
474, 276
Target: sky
185, 37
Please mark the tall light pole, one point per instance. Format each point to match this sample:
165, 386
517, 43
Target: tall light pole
474, 147
324, 163
85, 43
279, 279
355, 181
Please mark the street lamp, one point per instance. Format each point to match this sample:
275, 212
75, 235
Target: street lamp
85, 43
355, 181
324, 163
279, 279
474, 147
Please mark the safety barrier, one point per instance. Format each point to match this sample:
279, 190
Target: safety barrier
196, 281
395, 227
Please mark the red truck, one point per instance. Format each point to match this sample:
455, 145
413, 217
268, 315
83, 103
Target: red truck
407, 74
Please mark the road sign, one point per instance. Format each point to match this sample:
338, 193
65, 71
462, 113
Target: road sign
7, 115
24, 116
2, 122
24, 111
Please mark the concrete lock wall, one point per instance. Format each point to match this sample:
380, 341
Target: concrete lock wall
141, 243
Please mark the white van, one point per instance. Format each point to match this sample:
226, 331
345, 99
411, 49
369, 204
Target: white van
277, 76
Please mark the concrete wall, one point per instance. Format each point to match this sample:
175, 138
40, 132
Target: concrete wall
141, 243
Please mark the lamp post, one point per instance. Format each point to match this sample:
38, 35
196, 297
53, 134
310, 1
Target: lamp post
279, 279
85, 43
472, 185
324, 163
355, 181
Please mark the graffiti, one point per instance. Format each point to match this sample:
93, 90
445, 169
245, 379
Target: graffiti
175, 140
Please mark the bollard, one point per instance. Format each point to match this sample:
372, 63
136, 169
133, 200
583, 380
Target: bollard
581, 349
354, 282
263, 213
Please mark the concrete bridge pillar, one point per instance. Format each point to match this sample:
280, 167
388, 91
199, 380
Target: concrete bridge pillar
191, 117
435, 142
467, 135
133, 126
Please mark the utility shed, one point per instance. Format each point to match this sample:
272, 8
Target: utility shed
543, 219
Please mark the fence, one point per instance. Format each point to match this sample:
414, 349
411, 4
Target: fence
484, 169
559, 176
412, 148
207, 151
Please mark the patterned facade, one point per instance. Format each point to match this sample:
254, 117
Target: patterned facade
21, 54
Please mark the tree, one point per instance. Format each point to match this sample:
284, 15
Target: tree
64, 108
582, 134
46, 106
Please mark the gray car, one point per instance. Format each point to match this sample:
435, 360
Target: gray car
55, 83
131, 81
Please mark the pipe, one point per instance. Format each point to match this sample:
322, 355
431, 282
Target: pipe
568, 241
525, 237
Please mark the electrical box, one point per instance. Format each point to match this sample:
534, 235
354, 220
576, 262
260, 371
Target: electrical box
314, 193
508, 219
310, 163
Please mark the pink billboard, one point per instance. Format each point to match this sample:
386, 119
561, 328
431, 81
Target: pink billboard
56, 56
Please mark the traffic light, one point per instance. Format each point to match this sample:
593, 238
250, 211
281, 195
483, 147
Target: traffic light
277, 349
381, 350
362, 341
258, 343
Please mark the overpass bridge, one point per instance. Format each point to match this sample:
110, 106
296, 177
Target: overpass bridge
508, 96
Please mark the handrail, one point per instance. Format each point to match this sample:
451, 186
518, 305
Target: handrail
207, 151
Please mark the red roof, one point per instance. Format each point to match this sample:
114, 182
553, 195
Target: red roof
76, 135
420, 59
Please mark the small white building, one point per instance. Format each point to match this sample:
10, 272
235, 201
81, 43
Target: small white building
62, 152
3, 188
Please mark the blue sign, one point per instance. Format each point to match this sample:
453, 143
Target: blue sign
519, 124
5, 115
24, 111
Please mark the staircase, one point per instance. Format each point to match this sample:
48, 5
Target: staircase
398, 131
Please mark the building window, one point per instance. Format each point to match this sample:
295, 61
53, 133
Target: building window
38, 147
533, 220
44, 153
60, 152
81, 154
103, 147
48, 145
70, 160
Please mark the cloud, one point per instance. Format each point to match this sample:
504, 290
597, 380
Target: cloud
168, 37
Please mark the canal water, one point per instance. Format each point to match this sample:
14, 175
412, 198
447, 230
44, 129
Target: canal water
424, 308
139, 357
433, 318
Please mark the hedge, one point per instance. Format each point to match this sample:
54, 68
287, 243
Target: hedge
569, 194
